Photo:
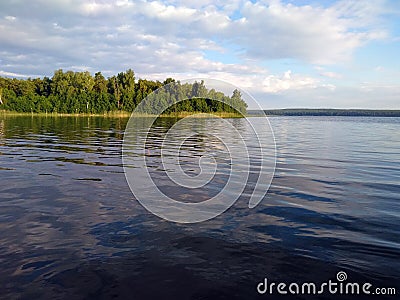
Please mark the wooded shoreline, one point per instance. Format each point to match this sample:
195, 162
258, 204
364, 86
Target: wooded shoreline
326, 112
123, 114
250, 113
81, 93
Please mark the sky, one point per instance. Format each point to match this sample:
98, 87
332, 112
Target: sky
286, 54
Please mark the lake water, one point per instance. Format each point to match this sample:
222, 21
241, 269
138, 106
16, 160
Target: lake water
71, 229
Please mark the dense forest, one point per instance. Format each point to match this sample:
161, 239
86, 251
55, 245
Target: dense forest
80, 92
327, 112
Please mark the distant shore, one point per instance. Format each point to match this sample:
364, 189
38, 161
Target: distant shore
250, 113
326, 112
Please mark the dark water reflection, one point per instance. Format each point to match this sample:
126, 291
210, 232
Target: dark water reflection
70, 228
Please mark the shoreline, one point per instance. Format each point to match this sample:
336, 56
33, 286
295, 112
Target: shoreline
250, 113
327, 112
122, 114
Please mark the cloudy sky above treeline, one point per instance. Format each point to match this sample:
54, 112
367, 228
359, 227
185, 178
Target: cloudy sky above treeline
323, 54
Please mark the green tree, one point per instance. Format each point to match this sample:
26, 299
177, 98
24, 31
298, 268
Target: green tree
115, 90
77, 92
100, 84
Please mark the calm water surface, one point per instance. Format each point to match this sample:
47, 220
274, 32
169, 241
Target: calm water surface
70, 227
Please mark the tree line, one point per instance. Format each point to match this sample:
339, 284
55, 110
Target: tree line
330, 112
80, 92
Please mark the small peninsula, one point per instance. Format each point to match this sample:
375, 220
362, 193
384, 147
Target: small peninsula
81, 93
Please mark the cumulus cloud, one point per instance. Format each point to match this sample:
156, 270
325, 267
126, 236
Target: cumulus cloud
265, 30
161, 39
314, 34
275, 84
11, 74
10, 18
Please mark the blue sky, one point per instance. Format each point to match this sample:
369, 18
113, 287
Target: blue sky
329, 54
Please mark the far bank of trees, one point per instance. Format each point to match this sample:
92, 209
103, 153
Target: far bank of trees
80, 92
330, 112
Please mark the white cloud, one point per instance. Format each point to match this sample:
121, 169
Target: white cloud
10, 18
168, 39
313, 34
11, 74
276, 84
266, 30
94, 8
330, 74
163, 12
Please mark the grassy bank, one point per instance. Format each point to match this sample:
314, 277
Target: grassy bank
122, 114
184, 114
54, 114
